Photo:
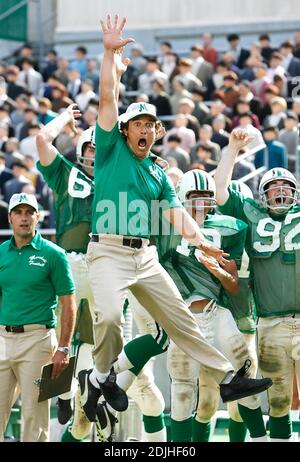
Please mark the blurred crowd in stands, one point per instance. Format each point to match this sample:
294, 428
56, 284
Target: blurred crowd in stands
200, 98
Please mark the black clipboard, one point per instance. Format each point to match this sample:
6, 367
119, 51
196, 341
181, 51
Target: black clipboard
49, 388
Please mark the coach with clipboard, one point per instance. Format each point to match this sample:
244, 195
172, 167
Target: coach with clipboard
34, 272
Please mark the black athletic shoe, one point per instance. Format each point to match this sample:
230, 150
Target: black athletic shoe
89, 394
105, 423
64, 410
240, 386
113, 394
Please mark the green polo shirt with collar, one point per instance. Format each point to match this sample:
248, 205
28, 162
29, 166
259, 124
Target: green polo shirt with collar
31, 279
130, 193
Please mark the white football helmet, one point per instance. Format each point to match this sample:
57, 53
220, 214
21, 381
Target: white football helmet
242, 188
197, 181
88, 136
288, 194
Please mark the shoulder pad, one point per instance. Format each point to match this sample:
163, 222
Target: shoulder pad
253, 211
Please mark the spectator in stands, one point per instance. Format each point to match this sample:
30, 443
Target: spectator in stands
12, 152
26, 52
51, 64
201, 110
152, 72
261, 82
188, 138
5, 173
239, 54
28, 145
93, 74
217, 108
30, 78
179, 92
186, 107
3, 136
19, 179
210, 54
247, 95
74, 83
290, 63
86, 94
89, 118
278, 114
62, 72
202, 69
137, 59
203, 157
220, 135
5, 119
205, 135
243, 107
160, 99
186, 76
275, 154
275, 67
17, 116
228, 93
45, 113
289, 136
217, 79
171, 65
13, 89
265, 46
60, 99
79, 64
165, 47
30, 118
173, 150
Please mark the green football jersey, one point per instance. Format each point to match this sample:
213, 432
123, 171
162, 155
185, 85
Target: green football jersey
178, 257
73, 199
273, 245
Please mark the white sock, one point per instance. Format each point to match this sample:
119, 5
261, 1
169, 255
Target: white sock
158, 437
97, 377
122, 364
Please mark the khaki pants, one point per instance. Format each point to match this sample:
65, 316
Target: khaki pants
22, 356
113, 268
278, 358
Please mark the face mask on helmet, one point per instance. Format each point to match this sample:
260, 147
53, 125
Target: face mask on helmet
278, 198
86, 138
200, 182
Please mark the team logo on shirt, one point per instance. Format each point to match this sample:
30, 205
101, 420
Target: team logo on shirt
36, 260
155, 172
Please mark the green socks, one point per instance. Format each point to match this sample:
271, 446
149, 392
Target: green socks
280, 427
254, 421
181, 431
201, 431
153, 424
237, 431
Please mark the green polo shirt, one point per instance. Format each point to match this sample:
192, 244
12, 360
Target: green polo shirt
31, 278
130, 193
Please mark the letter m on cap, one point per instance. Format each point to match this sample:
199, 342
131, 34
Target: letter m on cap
142, 107
22, 198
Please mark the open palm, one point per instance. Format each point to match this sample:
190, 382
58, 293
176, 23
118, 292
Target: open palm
112, 33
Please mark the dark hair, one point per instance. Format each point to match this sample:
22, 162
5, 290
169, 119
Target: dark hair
264, 37
232, 37
82, 49
175, 137
167, 44
287, 44
205, 147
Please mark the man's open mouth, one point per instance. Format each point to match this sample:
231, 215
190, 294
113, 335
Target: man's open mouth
142, 142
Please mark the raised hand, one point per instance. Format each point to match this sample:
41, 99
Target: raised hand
239, 138
75, 113
112, 34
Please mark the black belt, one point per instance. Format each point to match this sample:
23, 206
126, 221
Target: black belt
133, 242
20, 329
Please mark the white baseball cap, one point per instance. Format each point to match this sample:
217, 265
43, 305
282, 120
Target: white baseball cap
22, 198
136, 110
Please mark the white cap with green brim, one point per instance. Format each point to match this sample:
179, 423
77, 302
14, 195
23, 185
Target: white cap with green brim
136, 110
22, 198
